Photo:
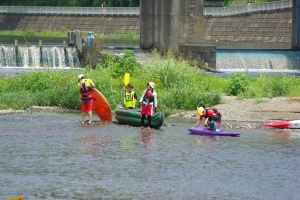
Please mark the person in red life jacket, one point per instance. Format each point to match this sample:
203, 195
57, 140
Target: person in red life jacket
85, 88
130, 97
207, 113
149, 101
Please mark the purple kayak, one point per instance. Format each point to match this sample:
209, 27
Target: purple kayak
206, 131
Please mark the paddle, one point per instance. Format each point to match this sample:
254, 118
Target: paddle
126, 78
126, 81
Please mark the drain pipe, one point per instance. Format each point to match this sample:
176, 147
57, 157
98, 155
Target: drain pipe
16, 46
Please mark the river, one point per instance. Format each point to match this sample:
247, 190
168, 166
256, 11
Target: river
52, 156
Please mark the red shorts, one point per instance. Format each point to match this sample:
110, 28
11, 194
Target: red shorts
147, 109
86, 106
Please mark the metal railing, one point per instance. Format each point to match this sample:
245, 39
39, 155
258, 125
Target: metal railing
70, 10
254, 7
207, 11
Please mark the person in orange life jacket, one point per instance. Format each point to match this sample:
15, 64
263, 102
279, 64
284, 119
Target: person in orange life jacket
208, 113
214, 124
130, 97
149, 99
85, 87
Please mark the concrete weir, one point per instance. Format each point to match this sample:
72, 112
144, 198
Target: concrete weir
176, 24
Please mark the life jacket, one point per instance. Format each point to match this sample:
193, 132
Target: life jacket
86, 90
148, 97
129, 99
210, 112
215, 111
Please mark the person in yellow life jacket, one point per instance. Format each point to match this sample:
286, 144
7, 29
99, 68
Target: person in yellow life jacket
130, 97
85, 88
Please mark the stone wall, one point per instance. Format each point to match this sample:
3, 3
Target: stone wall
97, 24
258, 27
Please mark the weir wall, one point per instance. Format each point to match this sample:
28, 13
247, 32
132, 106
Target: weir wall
275, 26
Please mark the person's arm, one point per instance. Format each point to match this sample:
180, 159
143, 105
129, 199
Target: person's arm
124, 93
93, 85
205, 122
134, 100
79, 88
141, 100
155, 100
197, 123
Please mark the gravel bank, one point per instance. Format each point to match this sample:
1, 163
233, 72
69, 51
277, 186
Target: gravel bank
249, 113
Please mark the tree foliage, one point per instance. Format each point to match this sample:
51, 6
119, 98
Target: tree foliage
79, 3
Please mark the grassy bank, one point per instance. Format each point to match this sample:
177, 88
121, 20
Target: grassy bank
179, 86
119, 34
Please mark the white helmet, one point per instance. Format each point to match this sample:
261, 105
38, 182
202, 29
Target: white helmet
151, 84
80, 76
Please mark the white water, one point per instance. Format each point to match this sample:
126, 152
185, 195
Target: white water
258, 60
36, 57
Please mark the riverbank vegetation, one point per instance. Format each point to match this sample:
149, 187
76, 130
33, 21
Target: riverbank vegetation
119, 34
180, 84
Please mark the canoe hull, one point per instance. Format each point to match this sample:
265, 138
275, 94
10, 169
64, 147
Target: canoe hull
101, 106
133, 117
206, 131
293, 124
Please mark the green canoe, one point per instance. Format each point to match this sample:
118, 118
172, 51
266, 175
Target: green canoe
133, 117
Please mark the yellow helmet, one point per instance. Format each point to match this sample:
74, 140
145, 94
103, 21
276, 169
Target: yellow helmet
200, 110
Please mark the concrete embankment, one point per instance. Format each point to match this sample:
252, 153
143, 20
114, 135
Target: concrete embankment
272, 26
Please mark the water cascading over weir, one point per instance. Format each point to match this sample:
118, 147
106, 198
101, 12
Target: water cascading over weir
34, 56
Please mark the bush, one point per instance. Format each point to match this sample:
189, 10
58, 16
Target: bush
237, 84
126, 64
30, 33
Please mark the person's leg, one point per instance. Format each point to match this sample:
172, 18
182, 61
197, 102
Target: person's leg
83, 110
143, 113
90, 111
219, 118
149, 113
149, 121
82, 117
142, 121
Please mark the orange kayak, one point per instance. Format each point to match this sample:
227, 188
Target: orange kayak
101, 106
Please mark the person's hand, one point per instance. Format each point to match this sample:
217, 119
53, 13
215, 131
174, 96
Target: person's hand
155, 109
139, 105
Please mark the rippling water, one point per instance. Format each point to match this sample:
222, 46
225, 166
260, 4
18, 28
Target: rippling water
52, 156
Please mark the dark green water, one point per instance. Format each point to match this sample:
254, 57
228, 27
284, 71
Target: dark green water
52, 156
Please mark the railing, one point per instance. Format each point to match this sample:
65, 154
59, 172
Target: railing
70, 10
254, 7
207, 11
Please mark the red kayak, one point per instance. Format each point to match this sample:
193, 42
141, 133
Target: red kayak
283, 124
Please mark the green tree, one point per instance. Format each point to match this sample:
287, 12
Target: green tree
97, 3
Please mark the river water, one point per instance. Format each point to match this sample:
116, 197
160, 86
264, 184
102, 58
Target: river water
52, 156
